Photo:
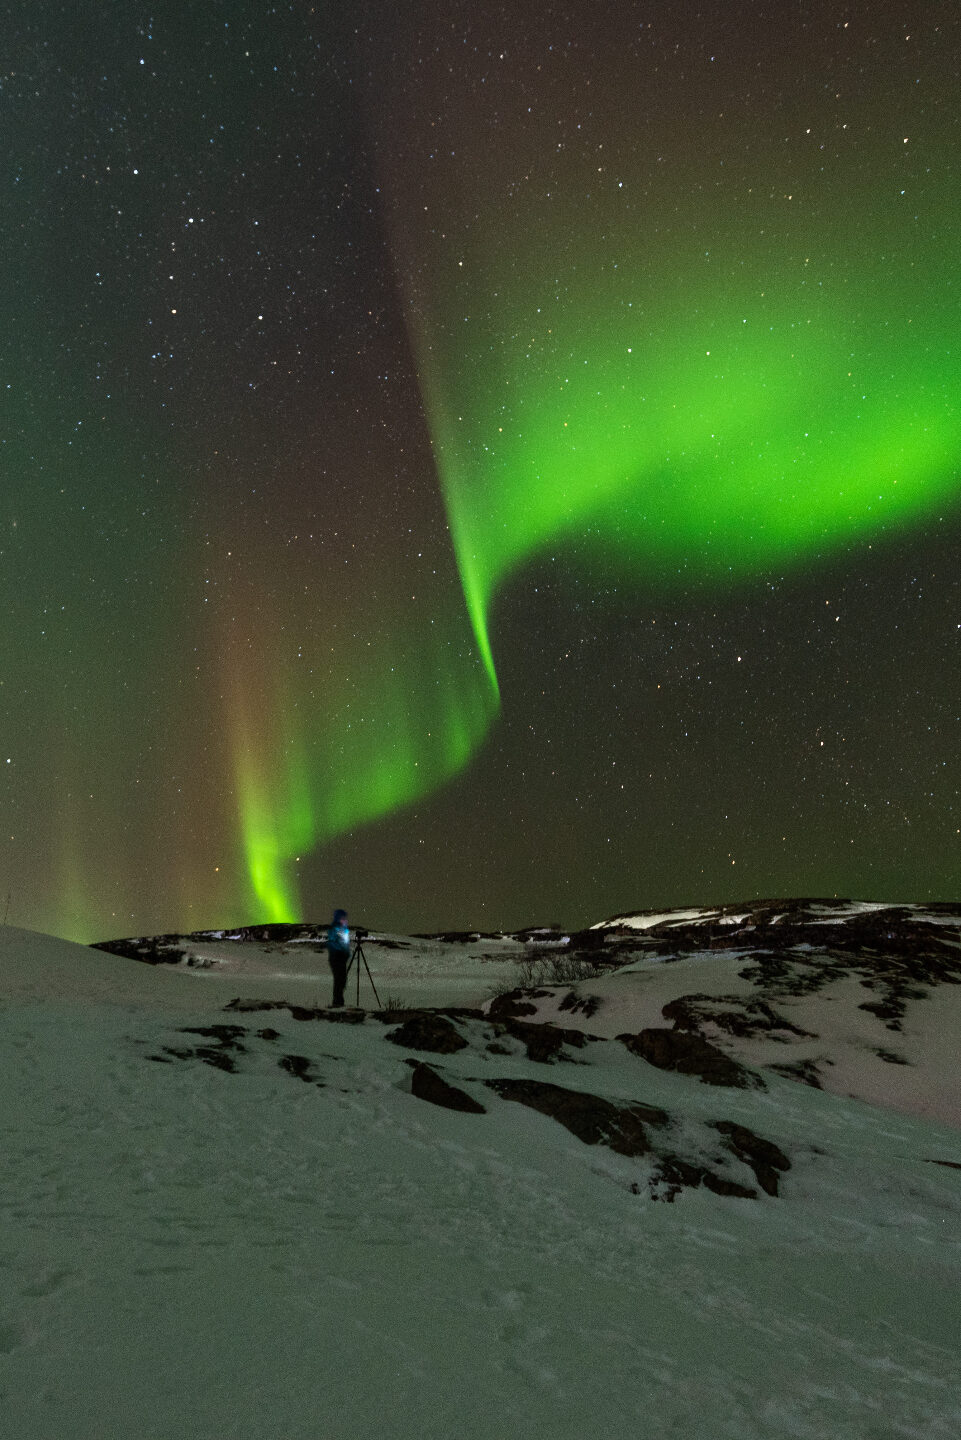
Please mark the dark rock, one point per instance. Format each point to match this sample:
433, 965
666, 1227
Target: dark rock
299, 1066
427, 1031
399, 1014
396, 1016
690, 1055
268, 1034
229, 1040
426, 1084
891, 1011
504, 1007
339, 1015
219, 1059
754, 1016
677, 1175
763, 1156
684, 1012
590, 940
892, 1057
722, 1186
545, 1042
229, 1036
804, 1070
587, 1005
591, 1118
950, 1164
155, 950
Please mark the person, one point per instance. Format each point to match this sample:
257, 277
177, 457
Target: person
338, 954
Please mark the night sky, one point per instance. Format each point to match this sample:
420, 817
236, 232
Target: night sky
479, 465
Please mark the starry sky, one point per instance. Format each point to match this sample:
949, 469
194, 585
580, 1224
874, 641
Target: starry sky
478, 465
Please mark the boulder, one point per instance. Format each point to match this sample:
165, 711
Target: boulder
427, 1085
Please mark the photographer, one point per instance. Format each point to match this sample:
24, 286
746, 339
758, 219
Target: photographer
338, 953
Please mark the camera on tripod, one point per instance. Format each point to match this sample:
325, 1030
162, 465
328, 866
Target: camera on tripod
358, 958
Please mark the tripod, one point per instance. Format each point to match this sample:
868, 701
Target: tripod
359, 956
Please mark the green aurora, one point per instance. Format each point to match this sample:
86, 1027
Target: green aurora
654, 419
765, 434
329, 333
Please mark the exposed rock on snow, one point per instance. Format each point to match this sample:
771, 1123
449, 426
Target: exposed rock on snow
426, 1084
596, 1121
690, 1055
804, 1070
764, 1157
729, 1012
543, 1042
228, 1042
586, 1005
674, 1175
300, 1067
515, 1003
426, 1031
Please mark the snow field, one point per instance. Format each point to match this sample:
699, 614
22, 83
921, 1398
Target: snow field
187, 1252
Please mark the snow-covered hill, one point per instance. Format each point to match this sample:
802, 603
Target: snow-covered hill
228, 1212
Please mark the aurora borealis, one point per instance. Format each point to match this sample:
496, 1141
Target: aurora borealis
478, 467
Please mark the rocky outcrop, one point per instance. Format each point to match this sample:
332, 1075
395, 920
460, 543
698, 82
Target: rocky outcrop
545, 1042
151, 950
342, 1015
624, 1129
804, 1070
427, 1085
591, 1118
745, 1017
632, 1129
690, 1055
428, 1031
227, 1041
674, 1175
587, 1005
763, 1156
300, 1067
514, 1003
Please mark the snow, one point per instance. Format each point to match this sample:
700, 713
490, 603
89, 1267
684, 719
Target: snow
844, 909
415, 972
188, 1252
648, 921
